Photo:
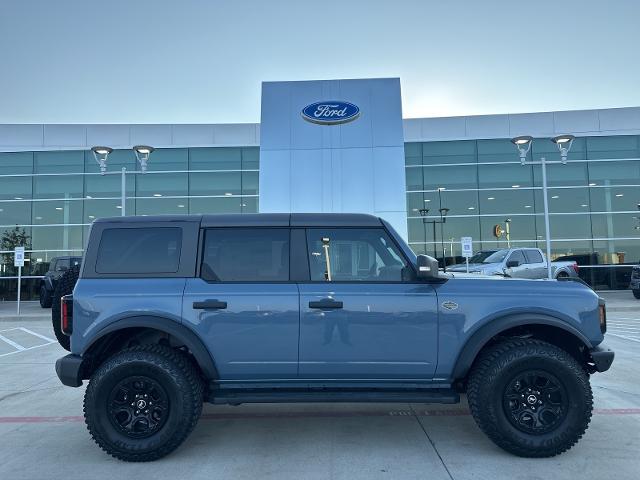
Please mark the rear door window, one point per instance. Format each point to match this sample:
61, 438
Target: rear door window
246, 255
139, 250
533, 256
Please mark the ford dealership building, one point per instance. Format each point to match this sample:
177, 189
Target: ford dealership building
337, 146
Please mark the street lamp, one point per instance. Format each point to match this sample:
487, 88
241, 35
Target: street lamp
564, 143
443, 219
142, 154
100, 154
523, 144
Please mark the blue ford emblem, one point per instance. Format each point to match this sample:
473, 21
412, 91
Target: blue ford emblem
330, 112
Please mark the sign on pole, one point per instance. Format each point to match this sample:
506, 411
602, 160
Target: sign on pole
18, 260
467, 246
467, 249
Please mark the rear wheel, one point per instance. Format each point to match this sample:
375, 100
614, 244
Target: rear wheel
636, 293
531, 398
562, 275
45, 297
143, 402
65, 286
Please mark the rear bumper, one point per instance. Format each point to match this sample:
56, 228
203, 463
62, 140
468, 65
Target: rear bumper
69, 370
602, 357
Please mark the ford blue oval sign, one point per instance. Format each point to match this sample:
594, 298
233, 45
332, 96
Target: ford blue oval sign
330, 112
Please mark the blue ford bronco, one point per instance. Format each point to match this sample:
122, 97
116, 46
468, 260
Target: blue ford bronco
173, 311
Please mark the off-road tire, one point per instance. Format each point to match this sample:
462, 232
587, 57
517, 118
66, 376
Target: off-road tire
174, 372
64, 286
495, 369
45, 297
636, 293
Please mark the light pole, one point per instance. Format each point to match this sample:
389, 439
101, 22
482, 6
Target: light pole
507, 231
443, 218
523, 144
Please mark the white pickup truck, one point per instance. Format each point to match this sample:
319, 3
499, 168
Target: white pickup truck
516, 262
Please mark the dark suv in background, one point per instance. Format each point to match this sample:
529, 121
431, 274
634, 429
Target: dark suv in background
57, 267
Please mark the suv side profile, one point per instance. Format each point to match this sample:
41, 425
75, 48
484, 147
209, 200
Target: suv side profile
57, 267
171, 311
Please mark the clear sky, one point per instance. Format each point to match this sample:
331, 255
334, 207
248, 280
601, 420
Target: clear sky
184, 61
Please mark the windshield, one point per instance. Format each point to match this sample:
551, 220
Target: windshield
496, 257
480, 256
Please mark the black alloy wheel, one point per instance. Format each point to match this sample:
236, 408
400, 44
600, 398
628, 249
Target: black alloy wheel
138, 406
535, 402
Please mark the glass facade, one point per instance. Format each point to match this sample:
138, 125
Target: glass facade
593, 201
50, 198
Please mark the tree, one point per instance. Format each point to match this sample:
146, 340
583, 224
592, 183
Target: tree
15, 237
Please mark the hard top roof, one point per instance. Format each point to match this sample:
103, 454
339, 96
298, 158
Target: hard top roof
259, 219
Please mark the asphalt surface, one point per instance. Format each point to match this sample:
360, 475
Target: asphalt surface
43, 436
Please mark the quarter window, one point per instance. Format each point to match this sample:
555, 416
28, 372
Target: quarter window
246, 255
139, 250
355, 255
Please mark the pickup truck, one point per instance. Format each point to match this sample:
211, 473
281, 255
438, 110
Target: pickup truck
171, 311
517, 263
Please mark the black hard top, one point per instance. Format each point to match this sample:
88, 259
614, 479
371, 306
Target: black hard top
259, 219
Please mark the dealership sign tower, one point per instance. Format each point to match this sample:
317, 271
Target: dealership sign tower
333, 146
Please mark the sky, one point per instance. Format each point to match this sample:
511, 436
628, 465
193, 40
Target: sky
199, 61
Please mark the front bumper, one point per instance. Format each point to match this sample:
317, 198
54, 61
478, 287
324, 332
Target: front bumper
601, 356
69, 370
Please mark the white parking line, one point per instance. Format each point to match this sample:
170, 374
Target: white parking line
15, 345
19, 348
46, 339
633, 339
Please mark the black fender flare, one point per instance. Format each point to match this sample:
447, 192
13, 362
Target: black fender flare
48, 284
162, 324
484, 334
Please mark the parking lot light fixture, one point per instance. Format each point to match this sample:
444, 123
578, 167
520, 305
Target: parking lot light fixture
523, 144
564, 143
100, 154
143, 152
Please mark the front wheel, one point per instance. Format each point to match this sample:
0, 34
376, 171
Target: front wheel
529, 397
636, 293
143, 402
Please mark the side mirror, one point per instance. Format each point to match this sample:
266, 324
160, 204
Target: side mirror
513, 263
427, 267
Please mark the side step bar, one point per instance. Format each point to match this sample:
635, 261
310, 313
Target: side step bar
235, 397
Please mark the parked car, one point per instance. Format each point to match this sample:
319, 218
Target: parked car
517, 263
171, 311
57, 267
635, 281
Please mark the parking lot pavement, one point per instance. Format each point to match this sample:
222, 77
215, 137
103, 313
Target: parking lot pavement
42, 433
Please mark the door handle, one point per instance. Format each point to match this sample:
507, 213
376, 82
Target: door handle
326, 303
209, 305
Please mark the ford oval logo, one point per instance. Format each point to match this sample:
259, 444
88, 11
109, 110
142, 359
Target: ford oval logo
331, 112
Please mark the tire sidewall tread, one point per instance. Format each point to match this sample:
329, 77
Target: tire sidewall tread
182, 383
498, 365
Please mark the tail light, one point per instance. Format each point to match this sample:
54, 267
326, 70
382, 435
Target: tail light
602, 311
576, 268
66, 314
